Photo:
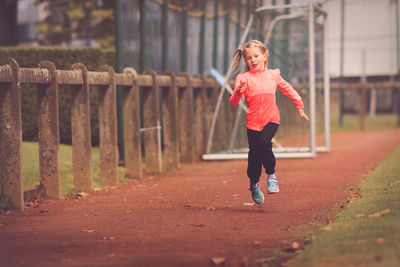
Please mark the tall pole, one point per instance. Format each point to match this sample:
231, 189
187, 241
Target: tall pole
118, 48
226, 37
341, 64
271, 43
215, 39
239, 13
202, 36
247, 19
184, 37
284, 51
164, 34
143, 59
311, 56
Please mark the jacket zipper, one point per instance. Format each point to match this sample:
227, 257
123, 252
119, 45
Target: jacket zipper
262, 104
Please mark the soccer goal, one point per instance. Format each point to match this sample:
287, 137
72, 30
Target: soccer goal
296, 37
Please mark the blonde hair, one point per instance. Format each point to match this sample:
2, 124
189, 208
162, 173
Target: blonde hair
239, 53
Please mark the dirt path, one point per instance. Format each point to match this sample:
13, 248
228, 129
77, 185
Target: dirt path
189, 216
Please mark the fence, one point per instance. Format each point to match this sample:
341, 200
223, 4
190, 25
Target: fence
183, 100
186, 104
363, 89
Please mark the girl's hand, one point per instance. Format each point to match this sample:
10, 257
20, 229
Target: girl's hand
241, 88
303, 114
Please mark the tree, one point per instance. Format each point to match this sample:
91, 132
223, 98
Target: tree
8, 23
85, 20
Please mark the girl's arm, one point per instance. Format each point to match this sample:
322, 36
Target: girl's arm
238, 92
287, 89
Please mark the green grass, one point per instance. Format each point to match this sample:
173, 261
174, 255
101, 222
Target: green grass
355, 238
378, 122
31, 167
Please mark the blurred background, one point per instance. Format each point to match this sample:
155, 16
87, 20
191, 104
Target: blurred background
193, 36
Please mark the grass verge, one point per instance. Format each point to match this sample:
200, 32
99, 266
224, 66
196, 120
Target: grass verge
30, 167
367, 231
351, 122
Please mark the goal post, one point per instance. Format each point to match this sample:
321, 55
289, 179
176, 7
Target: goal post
296, 36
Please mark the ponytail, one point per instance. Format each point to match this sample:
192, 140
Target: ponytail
237, 56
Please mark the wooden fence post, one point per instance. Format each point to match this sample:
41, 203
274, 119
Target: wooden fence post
81, 133
12, 188
49, 137
170, 123
151, 123
186, 120
200, 114
132, 140
108, 130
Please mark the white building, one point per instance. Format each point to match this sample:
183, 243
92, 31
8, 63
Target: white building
370, 37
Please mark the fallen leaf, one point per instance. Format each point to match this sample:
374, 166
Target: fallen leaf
257, 243
218, 260
89, 231
379, 240
378, 214
249, 204
96, 189
107, 238
295, 245
198, 225
327, 228
235, 195
82, 194
210, 208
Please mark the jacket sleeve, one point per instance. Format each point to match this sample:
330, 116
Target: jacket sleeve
288, 90
235, 98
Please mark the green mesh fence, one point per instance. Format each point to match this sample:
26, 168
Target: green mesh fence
142, 35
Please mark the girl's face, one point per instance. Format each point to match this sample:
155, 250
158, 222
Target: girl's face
255, 59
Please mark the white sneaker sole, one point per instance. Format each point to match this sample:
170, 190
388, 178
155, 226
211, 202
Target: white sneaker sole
273, 192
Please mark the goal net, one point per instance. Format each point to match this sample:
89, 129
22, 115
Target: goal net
296, 37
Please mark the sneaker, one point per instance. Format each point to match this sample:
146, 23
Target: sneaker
257, 195
272, 186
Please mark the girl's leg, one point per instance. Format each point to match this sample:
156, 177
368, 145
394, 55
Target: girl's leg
254, 163
267, 156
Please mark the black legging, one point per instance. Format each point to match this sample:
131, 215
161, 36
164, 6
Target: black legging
260, 153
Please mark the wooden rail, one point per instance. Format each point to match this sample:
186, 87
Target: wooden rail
183, 101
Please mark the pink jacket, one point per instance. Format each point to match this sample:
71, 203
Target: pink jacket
260, 96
